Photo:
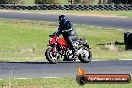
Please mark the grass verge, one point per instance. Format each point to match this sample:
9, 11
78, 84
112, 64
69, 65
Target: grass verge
26, 40
56, 83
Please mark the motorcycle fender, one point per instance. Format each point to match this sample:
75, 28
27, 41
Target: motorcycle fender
53, 49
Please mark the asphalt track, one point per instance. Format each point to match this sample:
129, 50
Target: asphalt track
62, 69
66, 69
111, 22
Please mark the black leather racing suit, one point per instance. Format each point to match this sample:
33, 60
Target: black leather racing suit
67, 32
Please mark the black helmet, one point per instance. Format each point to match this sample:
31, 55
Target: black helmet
62, 18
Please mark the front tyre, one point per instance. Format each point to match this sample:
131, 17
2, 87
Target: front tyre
85, 55
52, 57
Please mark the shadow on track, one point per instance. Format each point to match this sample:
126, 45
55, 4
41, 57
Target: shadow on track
40, 62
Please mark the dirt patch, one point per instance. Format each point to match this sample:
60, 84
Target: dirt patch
8, 11
41, 25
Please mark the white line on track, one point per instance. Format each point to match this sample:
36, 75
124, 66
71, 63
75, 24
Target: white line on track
32, 78
52, 77
126, 59
99, 60
112, 60
120, 29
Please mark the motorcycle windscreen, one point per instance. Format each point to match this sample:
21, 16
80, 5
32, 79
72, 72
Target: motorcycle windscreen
62, 41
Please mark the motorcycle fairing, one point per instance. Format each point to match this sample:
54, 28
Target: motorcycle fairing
62, 41
52, 40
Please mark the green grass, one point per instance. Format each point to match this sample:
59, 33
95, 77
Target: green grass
28, 1
84, 13
22, 57
27, 40
56, 83
62, 1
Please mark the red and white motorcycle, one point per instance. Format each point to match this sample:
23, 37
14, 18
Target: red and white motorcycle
60, 47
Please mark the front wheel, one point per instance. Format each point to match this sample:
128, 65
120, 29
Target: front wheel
85, 55
52, 57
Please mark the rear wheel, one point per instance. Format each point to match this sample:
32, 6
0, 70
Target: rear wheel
85, 55
52, 57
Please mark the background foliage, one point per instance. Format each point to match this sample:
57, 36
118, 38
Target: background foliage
9, 1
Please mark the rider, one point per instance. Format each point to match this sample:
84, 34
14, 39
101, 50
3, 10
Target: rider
67, 31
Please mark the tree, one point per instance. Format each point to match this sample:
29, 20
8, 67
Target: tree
129, 1
9, 1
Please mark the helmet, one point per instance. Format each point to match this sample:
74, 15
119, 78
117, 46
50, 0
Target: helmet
62, 18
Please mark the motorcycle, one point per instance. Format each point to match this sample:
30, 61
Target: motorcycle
60, 48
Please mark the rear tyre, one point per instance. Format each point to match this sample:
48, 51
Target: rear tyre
85, 55
53, 58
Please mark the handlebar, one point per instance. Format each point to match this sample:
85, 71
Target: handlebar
54, 34
50, 35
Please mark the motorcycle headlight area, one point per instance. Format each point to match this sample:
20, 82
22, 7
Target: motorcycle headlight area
50, 40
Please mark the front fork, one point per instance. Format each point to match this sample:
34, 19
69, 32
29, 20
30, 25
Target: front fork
53, 48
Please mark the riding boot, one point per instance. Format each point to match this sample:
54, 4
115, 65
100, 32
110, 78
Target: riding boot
74, 51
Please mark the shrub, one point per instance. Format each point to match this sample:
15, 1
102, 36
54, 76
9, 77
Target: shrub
46, 2
10, 1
